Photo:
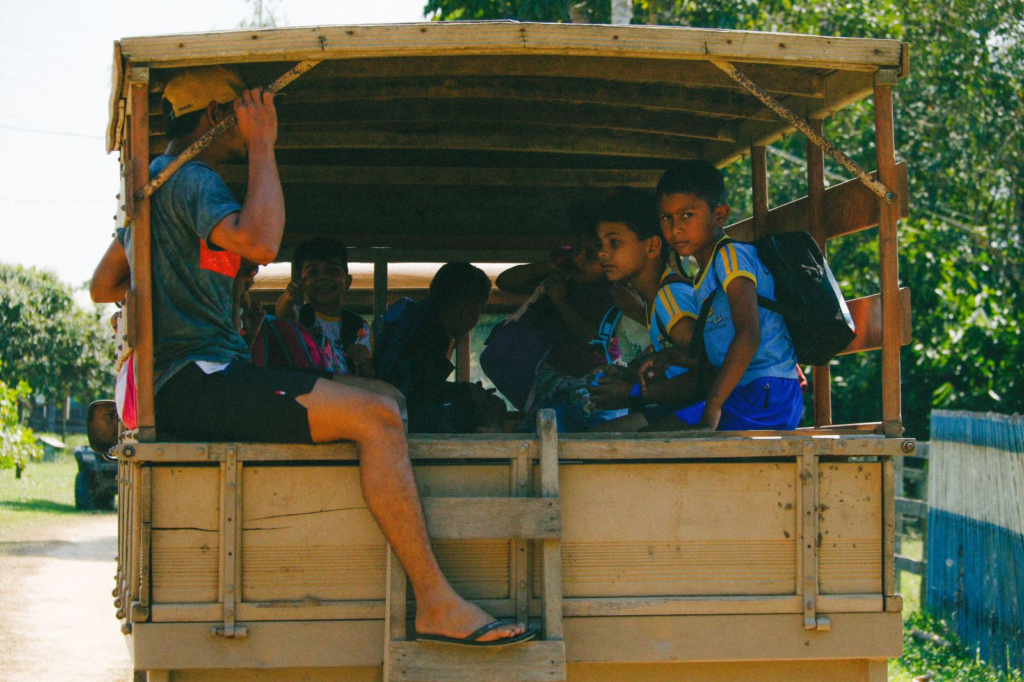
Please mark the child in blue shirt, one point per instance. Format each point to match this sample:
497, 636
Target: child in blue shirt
757, 384
633, 252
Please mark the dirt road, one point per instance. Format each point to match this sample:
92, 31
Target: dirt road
56, 613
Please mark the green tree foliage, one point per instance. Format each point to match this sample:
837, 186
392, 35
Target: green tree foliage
959, 127
47, 340
264, 15
17, 444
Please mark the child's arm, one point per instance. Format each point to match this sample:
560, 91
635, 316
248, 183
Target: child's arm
112, 278
292, 297
742, 293
582, 329
523, 279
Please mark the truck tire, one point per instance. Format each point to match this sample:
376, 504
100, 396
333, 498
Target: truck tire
83, 500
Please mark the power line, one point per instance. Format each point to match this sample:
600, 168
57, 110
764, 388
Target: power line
50, 57
48, 202
58, 133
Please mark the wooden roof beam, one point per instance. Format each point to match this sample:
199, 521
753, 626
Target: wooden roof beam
454, 177
513, 139
490, 113
514, 38
642, 96
798, 79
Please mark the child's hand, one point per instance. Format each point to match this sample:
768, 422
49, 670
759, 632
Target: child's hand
296, 291
358, 356
656, 365
611, 394
709, 420
556, 288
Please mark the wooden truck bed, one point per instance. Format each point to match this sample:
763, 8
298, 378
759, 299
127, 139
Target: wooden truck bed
712, 553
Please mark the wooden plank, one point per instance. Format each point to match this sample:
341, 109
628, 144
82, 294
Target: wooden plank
519, 486
115, 110
514, 38
730, 638
808, 515
888, 263
549, 138
187, 613
589, 447
911, 565
320, 644
551, 549
680, 606
380, 285
849, 534
658, 97
498, 112
816, 226
917, 509
463, 359
454, 177
531, 662
759, 188
479, 518
395, 611
888, 528
142, 275
849, 207
867, 317
146, 532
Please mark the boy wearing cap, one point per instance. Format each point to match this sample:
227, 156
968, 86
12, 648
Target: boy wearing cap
206, 388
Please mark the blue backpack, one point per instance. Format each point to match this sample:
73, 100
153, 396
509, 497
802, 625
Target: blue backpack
392, 331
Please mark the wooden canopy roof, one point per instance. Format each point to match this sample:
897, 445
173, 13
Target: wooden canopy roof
479, 135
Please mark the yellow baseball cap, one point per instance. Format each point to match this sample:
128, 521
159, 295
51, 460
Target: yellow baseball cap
193, 89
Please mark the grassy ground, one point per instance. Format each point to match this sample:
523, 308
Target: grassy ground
953, 663
45, 493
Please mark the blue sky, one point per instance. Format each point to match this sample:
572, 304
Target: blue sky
57, 184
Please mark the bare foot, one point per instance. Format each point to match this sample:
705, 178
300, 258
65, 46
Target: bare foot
458, 618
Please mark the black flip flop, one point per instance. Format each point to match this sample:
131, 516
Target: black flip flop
471, 639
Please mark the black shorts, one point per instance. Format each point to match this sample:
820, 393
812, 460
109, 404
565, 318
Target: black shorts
241, 403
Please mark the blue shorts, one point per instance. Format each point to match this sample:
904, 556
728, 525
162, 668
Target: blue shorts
765, 404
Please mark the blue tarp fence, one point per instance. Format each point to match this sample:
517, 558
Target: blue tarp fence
976, 531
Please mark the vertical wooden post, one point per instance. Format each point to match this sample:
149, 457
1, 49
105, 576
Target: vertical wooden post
816, 220
759, 185
892, 417
462, 352
380, 282
142, 275
551, 550
889, 535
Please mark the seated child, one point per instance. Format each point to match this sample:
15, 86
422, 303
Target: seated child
414, 345
575, 300
632, 251
757, 384
277, 342
314, 297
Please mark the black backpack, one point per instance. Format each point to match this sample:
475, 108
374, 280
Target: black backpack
806, 295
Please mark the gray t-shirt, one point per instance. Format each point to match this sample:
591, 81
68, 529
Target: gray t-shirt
192, 279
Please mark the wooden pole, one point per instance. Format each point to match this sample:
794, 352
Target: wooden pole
759, 186
380, 283
206, 140
816, 224
142, 275
892, 418
879, 188
462, 359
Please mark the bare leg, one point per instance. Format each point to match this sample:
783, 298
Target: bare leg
342, 411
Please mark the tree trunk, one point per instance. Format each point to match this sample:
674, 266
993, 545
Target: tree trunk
622, 11
51, 416
64, 415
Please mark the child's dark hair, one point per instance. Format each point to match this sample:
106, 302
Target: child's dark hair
637, 210
462, 283
700, 178
318, 250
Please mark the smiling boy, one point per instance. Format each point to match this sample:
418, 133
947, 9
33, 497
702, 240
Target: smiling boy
320, 280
